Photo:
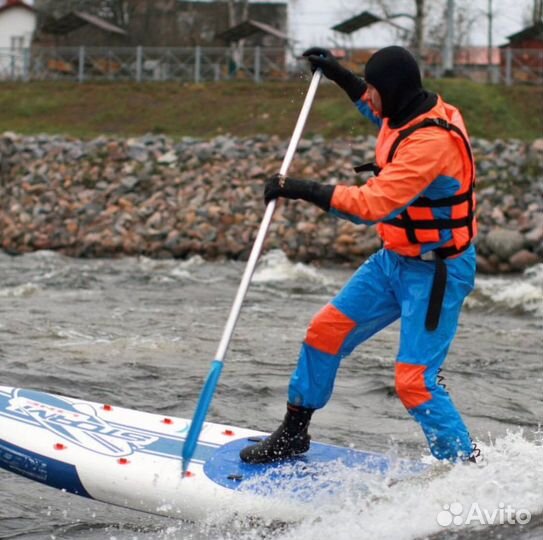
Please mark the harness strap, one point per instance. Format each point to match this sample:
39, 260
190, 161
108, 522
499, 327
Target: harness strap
444, 201
368, 167
408, 223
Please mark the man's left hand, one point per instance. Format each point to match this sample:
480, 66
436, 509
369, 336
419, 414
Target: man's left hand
274, 187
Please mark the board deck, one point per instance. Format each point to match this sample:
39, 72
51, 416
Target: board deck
133, 459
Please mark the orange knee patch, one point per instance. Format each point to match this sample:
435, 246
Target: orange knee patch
410, 385
328, 330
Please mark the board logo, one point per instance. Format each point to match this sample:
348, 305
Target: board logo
79, 423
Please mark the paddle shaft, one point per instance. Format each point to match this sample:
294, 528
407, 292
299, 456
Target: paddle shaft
217, 364
266, 220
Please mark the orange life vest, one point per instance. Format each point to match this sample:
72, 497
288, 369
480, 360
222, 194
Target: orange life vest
417, 225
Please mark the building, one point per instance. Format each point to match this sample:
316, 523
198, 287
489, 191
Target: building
165, 23
522, 56
17, 25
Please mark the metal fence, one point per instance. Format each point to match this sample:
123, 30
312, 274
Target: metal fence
201, 64
194, 64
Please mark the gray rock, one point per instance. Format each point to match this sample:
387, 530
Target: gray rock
130, 182
504, 242
138, 152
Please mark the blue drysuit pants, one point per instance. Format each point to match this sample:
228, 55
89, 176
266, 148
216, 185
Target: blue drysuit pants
386, 287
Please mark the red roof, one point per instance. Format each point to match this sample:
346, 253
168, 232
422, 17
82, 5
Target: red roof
16, 3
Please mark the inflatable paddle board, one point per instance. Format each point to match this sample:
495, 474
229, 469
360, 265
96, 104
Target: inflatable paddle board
133, 459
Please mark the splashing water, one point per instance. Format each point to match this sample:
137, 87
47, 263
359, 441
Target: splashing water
524, 295
275, 266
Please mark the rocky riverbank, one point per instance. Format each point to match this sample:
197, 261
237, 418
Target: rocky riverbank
162, 198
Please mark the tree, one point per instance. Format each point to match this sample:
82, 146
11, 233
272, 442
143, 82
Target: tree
390, 11
238, 11
537, 11
116, 11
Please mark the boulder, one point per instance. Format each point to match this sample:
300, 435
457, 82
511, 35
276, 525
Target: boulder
504, 242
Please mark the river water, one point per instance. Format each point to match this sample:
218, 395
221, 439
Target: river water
141, 333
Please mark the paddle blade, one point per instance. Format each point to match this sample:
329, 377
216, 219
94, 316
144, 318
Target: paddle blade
200, 413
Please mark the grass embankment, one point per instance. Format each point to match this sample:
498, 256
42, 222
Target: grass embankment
241, 108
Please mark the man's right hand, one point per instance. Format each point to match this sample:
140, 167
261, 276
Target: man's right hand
319, 57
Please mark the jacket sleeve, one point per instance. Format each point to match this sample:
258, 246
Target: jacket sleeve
418, 161
365, 109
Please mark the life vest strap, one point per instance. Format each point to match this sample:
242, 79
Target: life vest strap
426, 224
444, 201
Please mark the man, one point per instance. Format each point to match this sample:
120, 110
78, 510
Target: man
423, 203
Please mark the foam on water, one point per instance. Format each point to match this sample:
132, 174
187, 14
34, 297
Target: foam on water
511, 474
275, 266
520, 295
374, 507
25, 290
524, 295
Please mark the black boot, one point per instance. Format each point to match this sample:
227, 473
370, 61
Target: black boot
289, 439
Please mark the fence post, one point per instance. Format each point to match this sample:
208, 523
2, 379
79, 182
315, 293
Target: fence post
12, 63
81, 70
109, 65
197, 63
508, 65
26, 64
139, 61
257, 65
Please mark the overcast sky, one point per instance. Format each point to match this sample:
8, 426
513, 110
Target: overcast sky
310, 20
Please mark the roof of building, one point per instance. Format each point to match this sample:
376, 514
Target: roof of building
531, 32
16, 3
248, 28
355, 23
76, 19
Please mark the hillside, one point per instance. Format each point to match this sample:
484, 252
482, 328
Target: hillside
241, 108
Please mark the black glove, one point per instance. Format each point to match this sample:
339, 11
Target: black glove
333, 70
290, 188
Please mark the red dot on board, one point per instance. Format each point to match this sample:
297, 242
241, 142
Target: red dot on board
122, 461
167, 421
228, 432
59, 446
107, 408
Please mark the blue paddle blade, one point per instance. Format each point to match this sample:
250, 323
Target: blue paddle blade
200, 413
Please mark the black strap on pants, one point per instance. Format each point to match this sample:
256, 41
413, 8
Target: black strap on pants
437, 294
439, 284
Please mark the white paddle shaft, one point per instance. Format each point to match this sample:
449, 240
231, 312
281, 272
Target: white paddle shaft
266, 220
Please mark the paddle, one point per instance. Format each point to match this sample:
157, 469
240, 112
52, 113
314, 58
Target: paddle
216, 366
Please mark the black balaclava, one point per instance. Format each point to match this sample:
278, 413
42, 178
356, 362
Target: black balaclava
396, 75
